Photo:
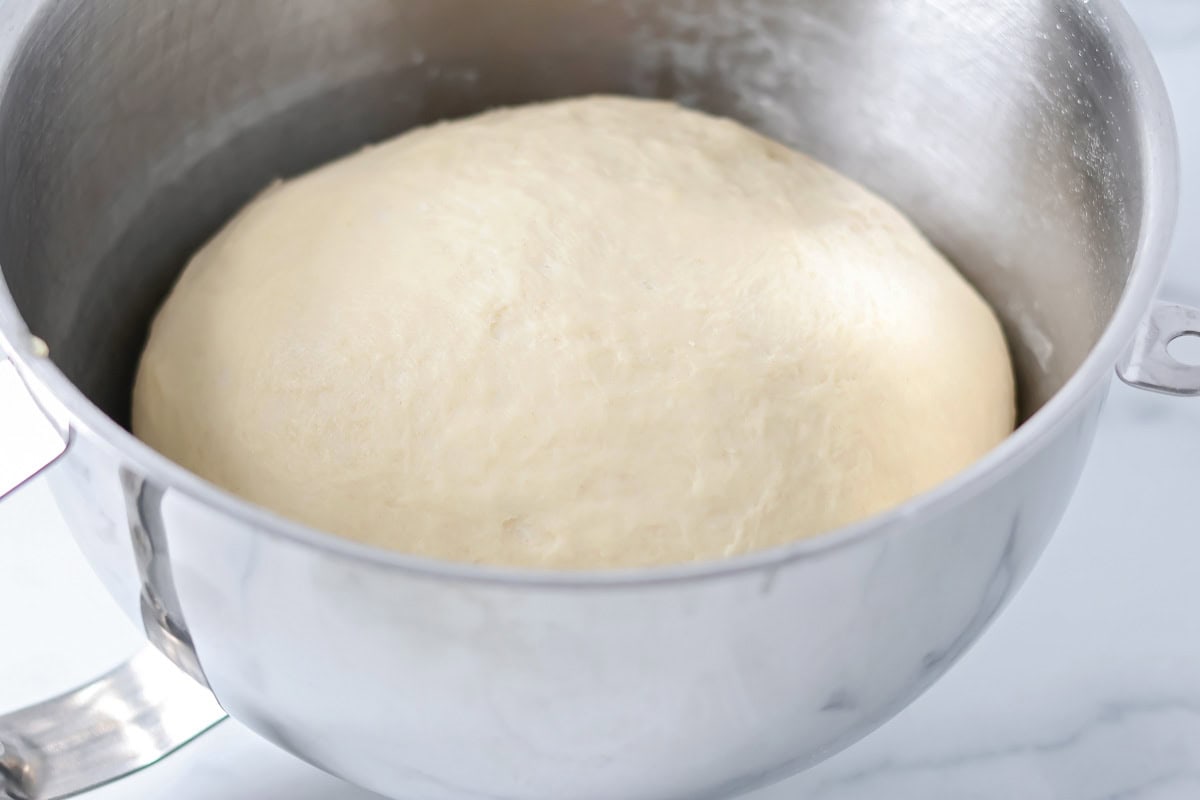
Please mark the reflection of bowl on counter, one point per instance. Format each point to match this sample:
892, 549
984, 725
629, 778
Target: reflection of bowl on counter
1031, 142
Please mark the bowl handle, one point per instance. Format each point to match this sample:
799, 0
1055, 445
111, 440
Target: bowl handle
122, 721
1149, 365
29, 440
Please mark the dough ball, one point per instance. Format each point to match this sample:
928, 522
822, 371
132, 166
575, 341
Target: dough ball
592, 333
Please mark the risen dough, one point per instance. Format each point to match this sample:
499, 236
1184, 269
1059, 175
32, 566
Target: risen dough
593, 333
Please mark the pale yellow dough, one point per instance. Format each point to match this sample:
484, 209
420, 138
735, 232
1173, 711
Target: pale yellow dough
593, 333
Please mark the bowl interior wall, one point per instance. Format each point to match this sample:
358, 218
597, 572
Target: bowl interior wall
131, 129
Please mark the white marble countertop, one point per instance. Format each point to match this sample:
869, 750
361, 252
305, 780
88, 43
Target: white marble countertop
1087, 688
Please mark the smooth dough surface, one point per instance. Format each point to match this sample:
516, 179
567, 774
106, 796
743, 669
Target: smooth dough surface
592, 333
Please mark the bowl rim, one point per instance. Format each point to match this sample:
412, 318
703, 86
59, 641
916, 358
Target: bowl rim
1158, 141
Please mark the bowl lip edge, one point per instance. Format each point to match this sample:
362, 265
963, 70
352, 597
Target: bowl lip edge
1159, 144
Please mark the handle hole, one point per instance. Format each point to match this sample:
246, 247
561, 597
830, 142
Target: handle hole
1185, 348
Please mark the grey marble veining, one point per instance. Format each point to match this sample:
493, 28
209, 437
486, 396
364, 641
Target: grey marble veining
1087, 688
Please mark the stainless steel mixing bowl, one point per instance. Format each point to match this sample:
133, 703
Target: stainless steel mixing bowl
1031, 139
